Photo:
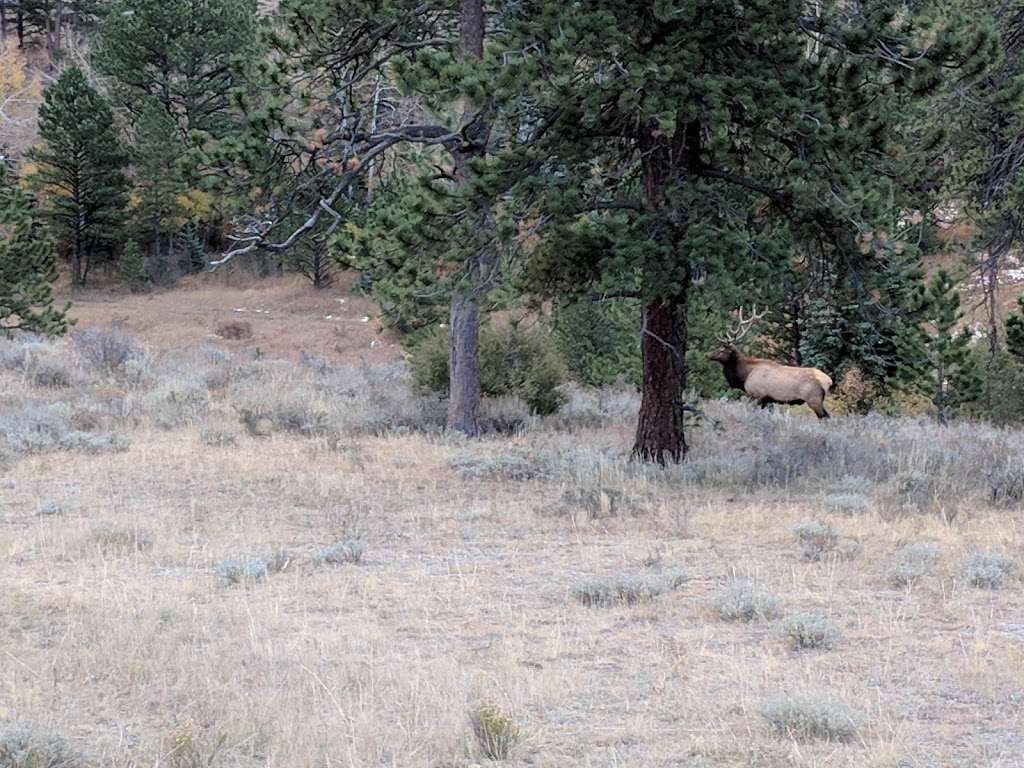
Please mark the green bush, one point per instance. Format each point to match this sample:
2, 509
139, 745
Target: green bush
599, 340
513, 361
131, 266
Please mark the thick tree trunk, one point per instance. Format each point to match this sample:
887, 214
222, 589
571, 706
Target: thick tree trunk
464, 313
464, 365
659, 429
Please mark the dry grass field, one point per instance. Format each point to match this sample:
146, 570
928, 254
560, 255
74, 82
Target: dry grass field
212, 560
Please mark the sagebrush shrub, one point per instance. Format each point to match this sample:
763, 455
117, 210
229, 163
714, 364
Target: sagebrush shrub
22, 747
846, 503
806, 717
1006, 486
507, 466
810, 630
249, 569
218, 438
344, 552
987, 571
108, 350
50, 509
35, 429
816, 539
52, 374
627, 589
912, 562
744, 601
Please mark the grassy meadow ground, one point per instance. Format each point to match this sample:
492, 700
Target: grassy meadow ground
177, 531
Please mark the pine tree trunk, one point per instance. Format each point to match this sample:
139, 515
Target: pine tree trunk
464, 312
659, 429
78, 255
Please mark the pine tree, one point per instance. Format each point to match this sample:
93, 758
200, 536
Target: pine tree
938, 355
597, 337
131, 266
1015, 331
719, 137
159, 186
80, 170
27, 264
180, 54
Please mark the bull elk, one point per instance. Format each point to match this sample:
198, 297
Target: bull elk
765, 380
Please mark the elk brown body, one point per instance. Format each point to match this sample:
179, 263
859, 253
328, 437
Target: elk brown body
769, 382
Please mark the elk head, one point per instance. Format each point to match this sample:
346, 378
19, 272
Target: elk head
728, 341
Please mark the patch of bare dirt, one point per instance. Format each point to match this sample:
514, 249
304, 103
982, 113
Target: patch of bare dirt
282, 317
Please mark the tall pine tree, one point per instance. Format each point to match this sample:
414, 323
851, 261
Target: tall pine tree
667, 139
180, 54
80, 170
937, 350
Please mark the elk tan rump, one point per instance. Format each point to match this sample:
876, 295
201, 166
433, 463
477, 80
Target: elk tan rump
785, 383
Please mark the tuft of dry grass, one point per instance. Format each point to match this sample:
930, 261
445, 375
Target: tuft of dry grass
495, 730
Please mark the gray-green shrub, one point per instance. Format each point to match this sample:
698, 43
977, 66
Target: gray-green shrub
350, 551
249, 569
507, 466
34, 429
816, 539
626, 589
987, 571
108, 350
912, 562
23, 747
846, 503
810, 630
744, 601
809, 717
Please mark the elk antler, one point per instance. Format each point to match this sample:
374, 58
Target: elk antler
743, 326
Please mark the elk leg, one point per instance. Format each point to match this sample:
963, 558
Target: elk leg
820, 412
765, 402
